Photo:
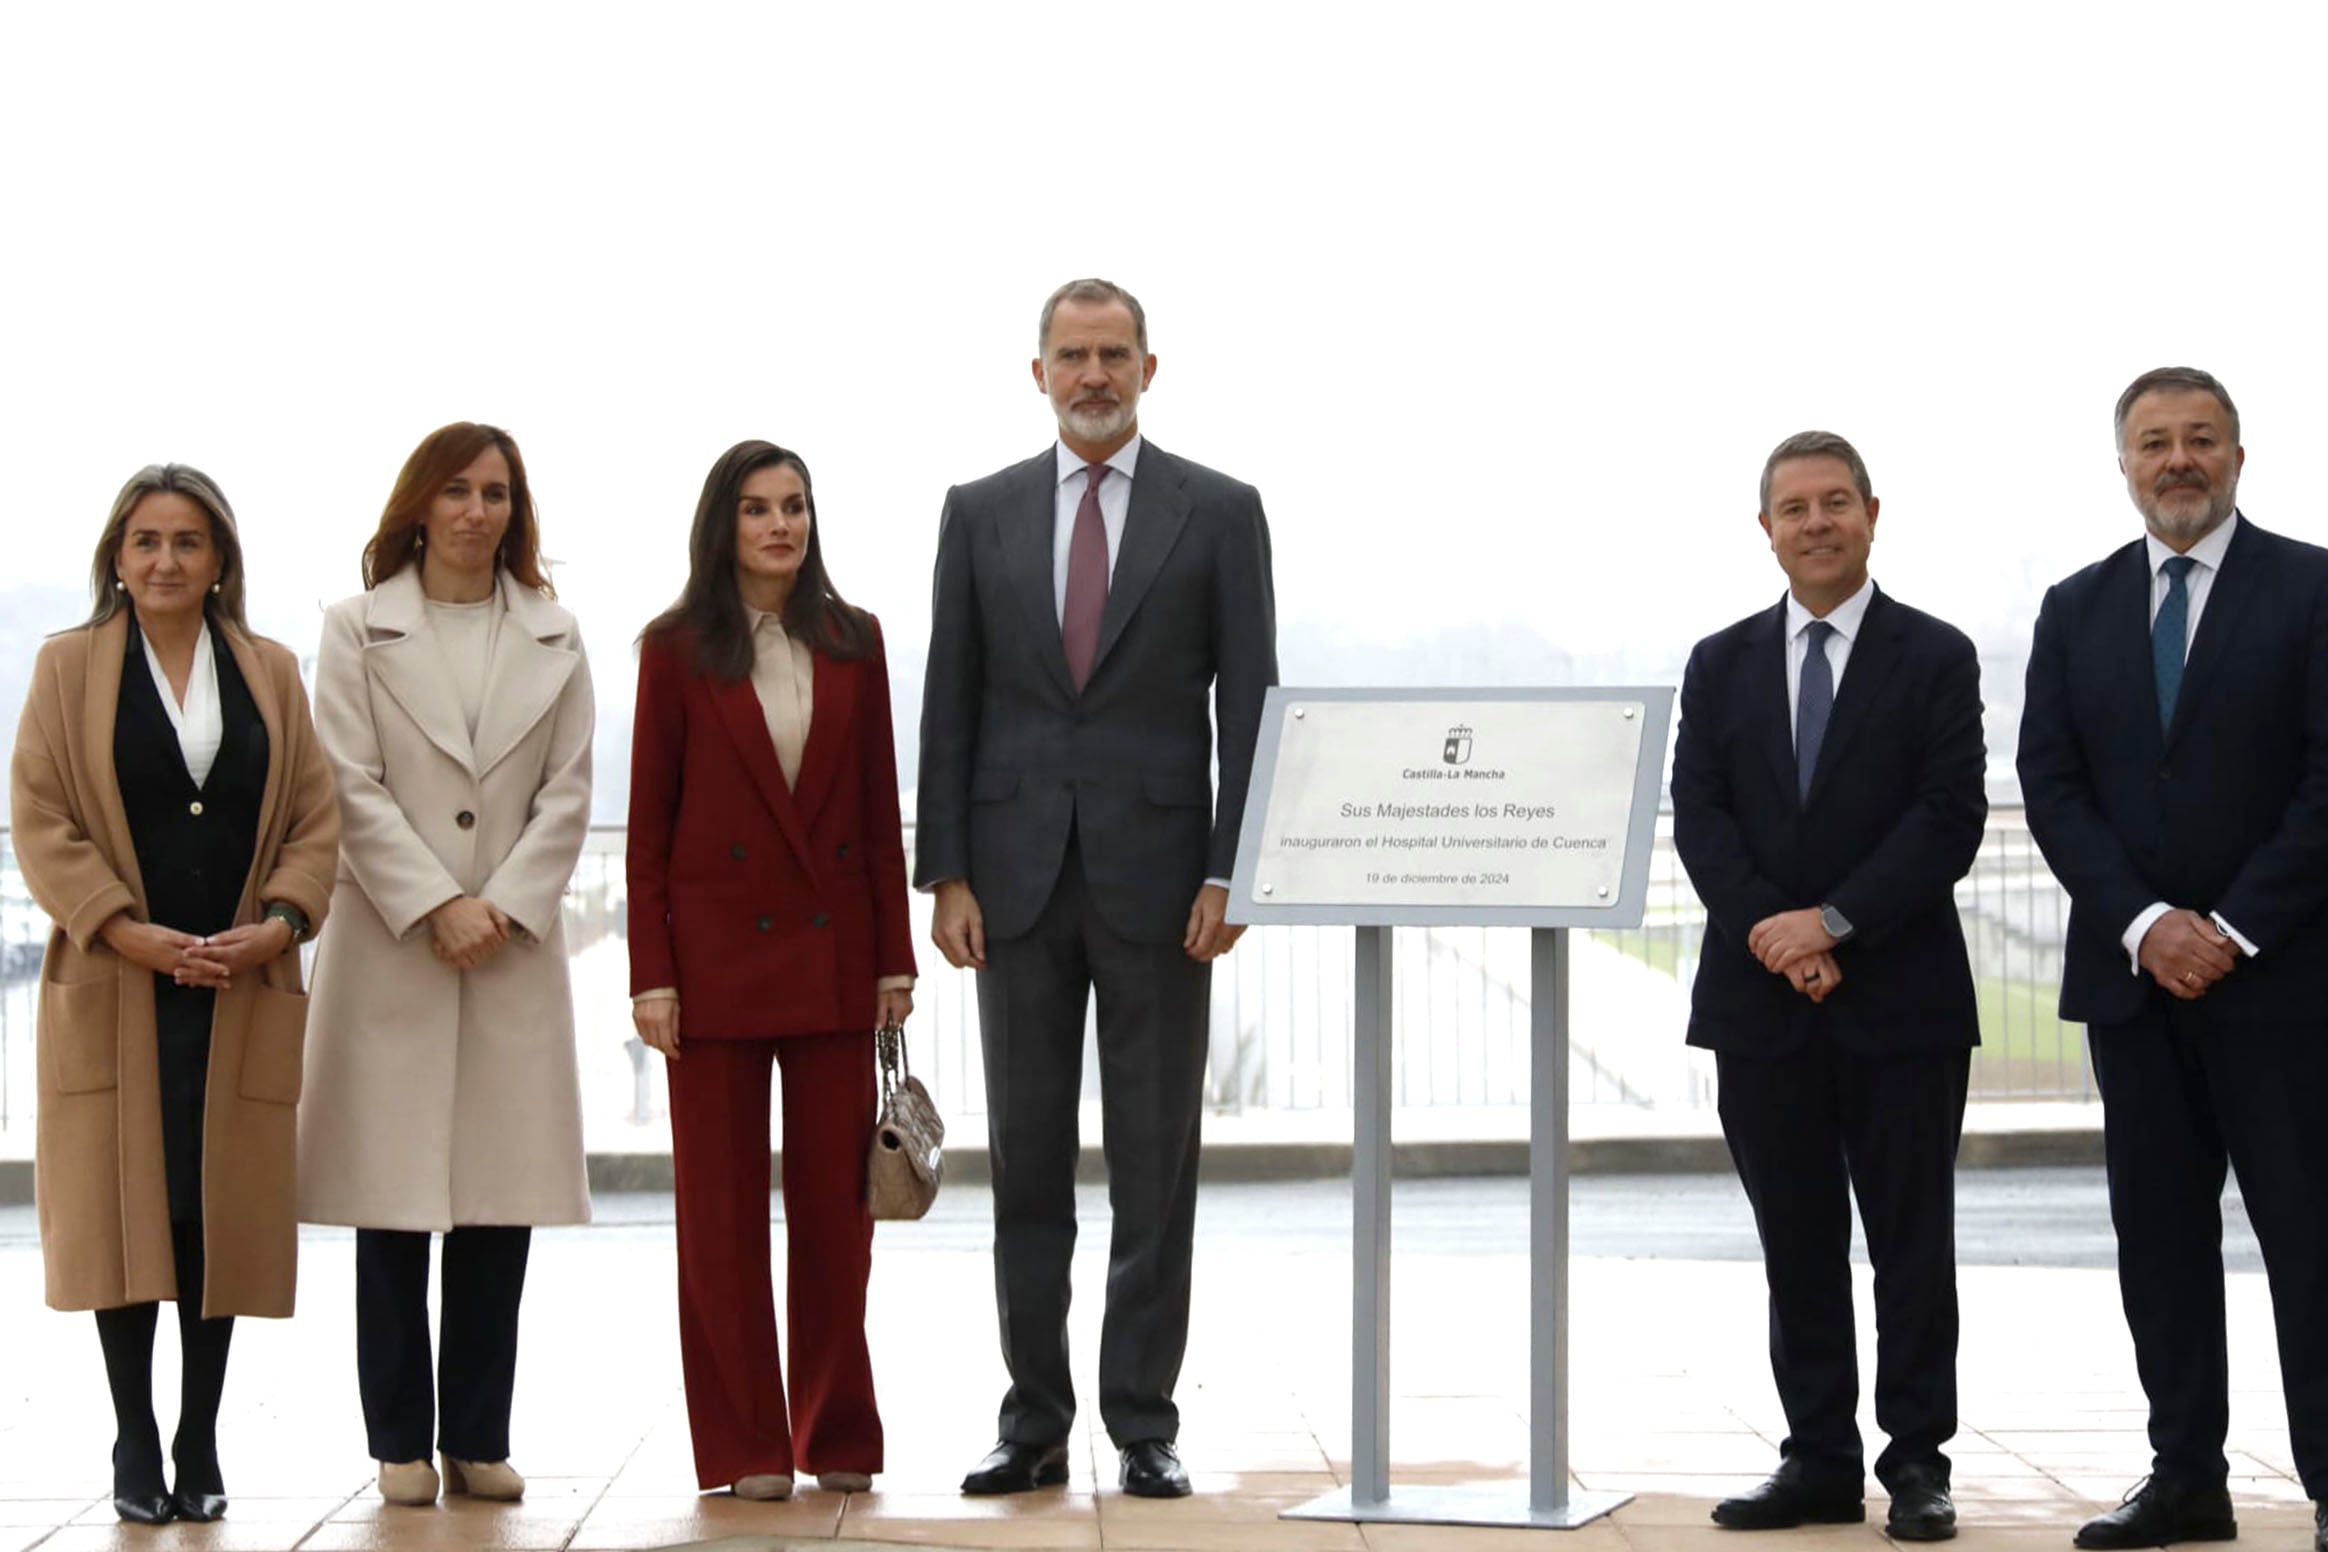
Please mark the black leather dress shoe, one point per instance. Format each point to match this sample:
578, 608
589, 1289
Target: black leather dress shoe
2156, 1513
191, 1503
1018, 1468
1793, 1496
1921, 1509
1152, 1469
2320, 1526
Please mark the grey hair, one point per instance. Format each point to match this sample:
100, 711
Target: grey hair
184, 480
1816, 444
1089, 290
2173, 379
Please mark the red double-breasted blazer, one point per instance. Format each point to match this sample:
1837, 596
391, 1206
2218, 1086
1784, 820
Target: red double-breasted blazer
773, 911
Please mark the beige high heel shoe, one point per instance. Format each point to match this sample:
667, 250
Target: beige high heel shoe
765, 1486
844, 1481
491, 1479
408, 1482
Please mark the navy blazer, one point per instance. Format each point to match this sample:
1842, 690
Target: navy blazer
1893, 820
1014, 758
2226, 811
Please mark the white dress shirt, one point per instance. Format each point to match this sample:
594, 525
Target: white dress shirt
2208, 552
200, 723
1846, 617
1115, 501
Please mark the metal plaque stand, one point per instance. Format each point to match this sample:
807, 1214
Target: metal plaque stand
1547, 1499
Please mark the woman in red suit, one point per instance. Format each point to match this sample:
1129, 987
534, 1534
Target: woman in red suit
768, 924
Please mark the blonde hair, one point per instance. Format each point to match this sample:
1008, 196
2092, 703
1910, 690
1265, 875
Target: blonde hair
226, 604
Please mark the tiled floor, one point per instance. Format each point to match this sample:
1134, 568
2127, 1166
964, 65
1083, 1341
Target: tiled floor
1671, 1401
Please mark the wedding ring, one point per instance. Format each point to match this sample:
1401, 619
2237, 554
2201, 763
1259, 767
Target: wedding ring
2190, 978
1810, 975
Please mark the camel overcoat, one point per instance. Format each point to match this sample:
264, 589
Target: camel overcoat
103, 1200
439, 1097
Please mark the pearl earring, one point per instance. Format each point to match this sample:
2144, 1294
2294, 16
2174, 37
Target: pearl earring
120, 586
214, 587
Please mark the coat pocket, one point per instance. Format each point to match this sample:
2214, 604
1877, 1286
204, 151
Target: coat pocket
80, 1034
274, 1047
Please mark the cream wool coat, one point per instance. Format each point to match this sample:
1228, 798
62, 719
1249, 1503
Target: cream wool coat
438, 1097
103, 1197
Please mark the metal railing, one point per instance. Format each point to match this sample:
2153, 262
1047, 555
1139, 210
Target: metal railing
1281, 1002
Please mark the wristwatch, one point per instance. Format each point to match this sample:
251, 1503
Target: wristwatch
1837, 924
290, 916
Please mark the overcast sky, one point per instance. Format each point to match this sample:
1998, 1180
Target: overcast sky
1500, 306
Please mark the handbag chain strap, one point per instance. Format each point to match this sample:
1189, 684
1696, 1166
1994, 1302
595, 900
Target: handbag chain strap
889, 1046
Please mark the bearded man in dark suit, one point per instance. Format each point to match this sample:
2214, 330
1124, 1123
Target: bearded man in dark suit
1827, 795
1100, 608
2174, 759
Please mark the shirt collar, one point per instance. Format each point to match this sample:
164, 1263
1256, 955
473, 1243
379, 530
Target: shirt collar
2208, 552
1122, 460
1845, 616
761, 620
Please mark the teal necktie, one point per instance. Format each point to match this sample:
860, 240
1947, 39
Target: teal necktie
2170, 637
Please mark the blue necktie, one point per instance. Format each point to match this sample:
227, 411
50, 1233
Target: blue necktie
2170, 637
1814, 701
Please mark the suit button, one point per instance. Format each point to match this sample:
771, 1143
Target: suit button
765, 924
465, 820
195, 808
737, 851
844, 848
820, 919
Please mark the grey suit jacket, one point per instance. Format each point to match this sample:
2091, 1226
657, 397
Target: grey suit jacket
1013, 759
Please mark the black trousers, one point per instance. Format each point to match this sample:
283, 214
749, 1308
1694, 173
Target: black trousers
1809, 1130
1154, 1014
2182, 1096
126, 1333
476, 1373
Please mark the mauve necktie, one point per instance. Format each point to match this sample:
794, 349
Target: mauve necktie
1086, 580
2170, 637
1814, 700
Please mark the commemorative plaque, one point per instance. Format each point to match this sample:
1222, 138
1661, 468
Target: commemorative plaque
1437, 807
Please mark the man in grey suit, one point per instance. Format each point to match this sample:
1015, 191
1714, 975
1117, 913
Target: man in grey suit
1089, 602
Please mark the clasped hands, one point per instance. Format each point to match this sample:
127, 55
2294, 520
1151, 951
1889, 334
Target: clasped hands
958, 926
1797, 945
197, 961
2185, 953
467, 932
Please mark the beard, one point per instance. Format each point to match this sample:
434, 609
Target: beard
2188, 523
1100, 422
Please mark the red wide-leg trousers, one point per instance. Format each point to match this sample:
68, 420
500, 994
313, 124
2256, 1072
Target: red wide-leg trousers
736, 1394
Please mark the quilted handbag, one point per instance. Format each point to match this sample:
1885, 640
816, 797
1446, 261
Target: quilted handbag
907, 1158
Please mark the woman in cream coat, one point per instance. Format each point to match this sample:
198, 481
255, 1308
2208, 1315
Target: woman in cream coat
442, 1096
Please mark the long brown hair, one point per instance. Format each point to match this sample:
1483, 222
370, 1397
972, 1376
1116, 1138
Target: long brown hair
184, 480
442, 454
710, 610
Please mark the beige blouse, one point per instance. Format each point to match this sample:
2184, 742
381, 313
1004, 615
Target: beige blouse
784, 677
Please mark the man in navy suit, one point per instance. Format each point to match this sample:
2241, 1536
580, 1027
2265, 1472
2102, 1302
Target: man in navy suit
1827, 795
2174, 758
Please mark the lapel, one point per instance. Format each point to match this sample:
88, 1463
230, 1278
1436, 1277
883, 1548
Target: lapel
533, 658
2228, 600
1765, 683
262, 694
830, 727
1152, 525
1874, 656
2122, 615
409, 667
738, 705
1029, 521
100, 708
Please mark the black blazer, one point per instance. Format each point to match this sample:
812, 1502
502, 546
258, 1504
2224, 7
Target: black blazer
2227, 811
1893, 821
1013, 759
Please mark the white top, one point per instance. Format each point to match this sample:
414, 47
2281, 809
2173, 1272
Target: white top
466, 635
1846, 617
1115, 501
2197, 584
200, 724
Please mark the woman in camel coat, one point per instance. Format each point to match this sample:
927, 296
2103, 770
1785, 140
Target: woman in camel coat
443, 1094
167, 1085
